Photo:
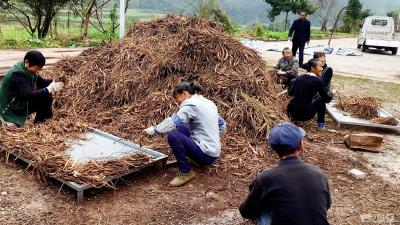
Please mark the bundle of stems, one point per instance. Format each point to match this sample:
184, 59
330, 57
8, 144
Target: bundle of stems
125, 86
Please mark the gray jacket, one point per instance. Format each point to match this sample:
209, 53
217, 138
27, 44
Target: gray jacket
289, 66
204, 123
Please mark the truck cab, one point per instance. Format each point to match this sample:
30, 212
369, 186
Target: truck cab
380, 32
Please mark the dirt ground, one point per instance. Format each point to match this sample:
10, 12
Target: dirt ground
212, 198
215, 195
386, 164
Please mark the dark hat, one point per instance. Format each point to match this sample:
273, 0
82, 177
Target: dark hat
285, 136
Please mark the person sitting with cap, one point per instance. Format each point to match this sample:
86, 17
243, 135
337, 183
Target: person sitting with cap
293, 192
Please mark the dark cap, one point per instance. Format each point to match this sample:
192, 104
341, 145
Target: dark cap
285, 136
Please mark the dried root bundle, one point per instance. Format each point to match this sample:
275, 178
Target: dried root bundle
124, 86
364, 108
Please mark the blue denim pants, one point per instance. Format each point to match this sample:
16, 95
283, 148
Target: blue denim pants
183, 146
265, 218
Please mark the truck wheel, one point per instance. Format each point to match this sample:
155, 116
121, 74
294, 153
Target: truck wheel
364, 48
394, 51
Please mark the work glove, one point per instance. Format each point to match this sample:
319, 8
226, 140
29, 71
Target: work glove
150, 131
55, 86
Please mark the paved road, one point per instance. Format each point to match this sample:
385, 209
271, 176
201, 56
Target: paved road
374, 64
10, 57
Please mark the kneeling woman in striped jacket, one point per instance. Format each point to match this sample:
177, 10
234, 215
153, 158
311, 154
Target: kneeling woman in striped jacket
194, 131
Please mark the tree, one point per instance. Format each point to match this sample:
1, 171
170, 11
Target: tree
354, 16
324, 11
206, 8
391, 14
92, 9
335, 24
114, 20
287, 6
364, 14
209, 9
2, 18
85, 9
34, 15
354, 9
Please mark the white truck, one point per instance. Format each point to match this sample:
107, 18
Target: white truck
380, 32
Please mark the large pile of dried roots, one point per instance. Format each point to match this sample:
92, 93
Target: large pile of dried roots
363, 108
125, 86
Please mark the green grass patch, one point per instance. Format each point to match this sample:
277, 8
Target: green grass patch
349, 86
354, 86
14, 36
260, 32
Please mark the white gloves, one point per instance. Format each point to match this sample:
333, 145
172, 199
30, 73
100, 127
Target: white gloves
150, 131
55, 86
280, 72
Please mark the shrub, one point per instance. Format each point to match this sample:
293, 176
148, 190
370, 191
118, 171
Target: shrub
258, 30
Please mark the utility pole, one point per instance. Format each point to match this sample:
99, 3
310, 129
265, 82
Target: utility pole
121, 18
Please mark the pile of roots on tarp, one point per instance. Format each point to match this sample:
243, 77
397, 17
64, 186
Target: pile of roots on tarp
363, 108
125, 86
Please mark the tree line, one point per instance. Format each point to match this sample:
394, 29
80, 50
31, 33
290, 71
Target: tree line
36, 16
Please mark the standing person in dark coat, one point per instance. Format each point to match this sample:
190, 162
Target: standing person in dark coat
302, 30
23, 92
293, 192
305, 102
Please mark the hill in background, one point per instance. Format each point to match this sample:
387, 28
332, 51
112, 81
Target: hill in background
245, 12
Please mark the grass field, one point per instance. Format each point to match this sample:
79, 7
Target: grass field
268, 35
356, 86
14, 36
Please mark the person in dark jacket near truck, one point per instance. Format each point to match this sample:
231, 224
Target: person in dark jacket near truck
302, 31
293, 192
305, 102
23, 92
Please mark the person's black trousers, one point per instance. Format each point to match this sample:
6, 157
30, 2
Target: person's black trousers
296, 45
287, 80
320, 108
305, 112
43, 108
326, 80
